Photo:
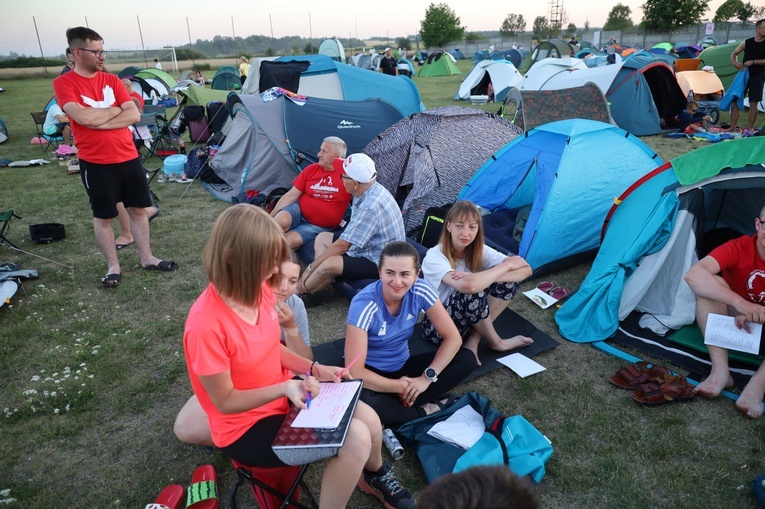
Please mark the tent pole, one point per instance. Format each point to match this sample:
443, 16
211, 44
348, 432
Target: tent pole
140, 33
45, 67
273, 44
37, 256
191, 49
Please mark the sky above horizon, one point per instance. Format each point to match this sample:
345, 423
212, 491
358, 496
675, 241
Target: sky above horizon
164, 23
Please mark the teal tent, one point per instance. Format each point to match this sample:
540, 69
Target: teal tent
656, 230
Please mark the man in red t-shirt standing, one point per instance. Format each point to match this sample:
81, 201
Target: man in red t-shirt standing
738, 292
100, 111
317, 200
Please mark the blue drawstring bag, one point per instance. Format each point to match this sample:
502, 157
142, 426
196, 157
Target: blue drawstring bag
522, 447
514, 442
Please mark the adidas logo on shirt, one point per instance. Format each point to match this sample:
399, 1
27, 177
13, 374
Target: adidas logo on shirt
409, 316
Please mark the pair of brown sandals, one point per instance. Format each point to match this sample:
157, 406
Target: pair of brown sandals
652, 384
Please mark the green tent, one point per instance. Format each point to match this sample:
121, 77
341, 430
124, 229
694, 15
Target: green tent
439, 64
157, 74
201, 95
719, 58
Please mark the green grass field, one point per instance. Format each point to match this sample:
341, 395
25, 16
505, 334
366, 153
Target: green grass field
92, 379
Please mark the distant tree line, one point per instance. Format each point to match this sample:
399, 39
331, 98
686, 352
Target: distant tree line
219, 47
18, 62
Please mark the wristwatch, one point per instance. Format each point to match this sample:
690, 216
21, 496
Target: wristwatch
431, 375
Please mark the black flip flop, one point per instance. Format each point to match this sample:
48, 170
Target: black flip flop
450, 400
164, 266
111, 280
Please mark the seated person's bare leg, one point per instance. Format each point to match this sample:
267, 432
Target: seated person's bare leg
719, 378
294, 240
322, 243
750, 400
360, 450
322, 277
489, 333
485, 328
496, 307
191, 425
284, 219
66, 133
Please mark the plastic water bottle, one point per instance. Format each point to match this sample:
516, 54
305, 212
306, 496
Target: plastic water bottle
394, 447
181, 146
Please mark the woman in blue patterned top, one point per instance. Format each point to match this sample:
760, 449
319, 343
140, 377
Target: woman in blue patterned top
381, 319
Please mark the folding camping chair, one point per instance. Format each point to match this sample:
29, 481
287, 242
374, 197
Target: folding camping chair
273, 487
5, 219
47, 140
152, 133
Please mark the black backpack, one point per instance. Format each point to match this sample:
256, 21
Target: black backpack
432, 225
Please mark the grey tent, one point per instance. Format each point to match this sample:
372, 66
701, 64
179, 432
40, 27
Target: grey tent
270, 142
425, 159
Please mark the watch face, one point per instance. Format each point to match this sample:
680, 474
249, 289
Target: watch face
430, 373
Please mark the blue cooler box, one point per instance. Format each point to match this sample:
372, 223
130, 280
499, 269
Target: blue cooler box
174, 164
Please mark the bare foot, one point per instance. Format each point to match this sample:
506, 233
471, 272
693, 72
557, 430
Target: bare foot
471, 343
731, 129
714, 385
750, 404
513, 343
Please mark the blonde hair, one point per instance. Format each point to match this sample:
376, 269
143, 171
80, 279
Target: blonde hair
244, 247
464, 211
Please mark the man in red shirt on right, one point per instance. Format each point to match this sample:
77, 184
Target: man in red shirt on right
317, 200
731, 281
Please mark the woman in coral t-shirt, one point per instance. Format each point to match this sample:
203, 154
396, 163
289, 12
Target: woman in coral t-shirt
237, 364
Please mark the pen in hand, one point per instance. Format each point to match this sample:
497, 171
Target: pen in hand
348, 367
307, 392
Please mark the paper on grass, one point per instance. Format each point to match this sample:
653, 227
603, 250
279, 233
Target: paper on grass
722, 331
521, 364
462, 429
327, 409
540, 298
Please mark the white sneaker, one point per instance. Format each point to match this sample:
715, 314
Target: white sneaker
181, 178
163, 178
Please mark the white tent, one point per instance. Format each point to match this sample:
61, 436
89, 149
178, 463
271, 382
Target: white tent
333, 48
501, 73
560, 73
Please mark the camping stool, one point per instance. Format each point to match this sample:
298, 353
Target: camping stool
273, 487
5, 219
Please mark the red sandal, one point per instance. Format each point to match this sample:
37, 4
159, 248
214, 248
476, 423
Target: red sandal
638, 374
674, 388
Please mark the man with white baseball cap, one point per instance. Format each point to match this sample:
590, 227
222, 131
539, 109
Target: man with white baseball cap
375, 221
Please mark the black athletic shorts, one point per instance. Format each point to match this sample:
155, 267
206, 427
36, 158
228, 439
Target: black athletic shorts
755, 85
109, 184
254, 447
359, 268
